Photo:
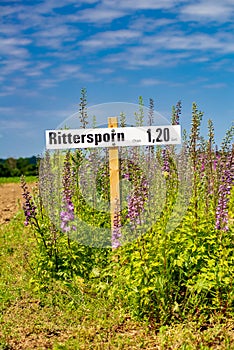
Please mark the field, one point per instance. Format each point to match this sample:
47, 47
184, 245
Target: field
160, 277
67, 316
63, 318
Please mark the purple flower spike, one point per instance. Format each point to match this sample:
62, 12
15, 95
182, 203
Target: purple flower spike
116, 233
67, 214
29, 206
227, 181
136, 202
166, 165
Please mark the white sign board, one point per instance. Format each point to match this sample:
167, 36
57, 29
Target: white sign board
107, 137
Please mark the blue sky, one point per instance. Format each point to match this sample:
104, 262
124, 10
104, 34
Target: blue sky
118, 50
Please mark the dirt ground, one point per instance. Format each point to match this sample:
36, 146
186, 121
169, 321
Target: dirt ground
10, 201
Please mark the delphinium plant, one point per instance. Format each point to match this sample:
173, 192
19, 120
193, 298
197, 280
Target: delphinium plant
173, 234
83, 109
225, 185
67, 213
116, 233
29, 207
56, 256
188, 271
44, 231
194, 154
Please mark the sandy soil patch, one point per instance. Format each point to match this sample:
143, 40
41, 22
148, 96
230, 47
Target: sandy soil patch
10, 201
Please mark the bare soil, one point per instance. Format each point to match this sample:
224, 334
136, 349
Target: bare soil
10, 201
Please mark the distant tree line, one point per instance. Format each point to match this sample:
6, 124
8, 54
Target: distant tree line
16, 167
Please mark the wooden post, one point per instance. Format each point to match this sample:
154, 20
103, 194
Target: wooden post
114, 175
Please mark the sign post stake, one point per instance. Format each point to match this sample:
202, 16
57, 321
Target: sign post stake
114, 176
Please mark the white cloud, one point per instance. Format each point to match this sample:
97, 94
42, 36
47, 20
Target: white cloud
151, 82
28, 120
55, 35
15, 72
212, 10
12, 65
215, 86
8, 10
147, 24
141, 4
7, 90
9, 29
109, 39
65, 72
98, 15
146, 56
105, 71
223, 64
108, 10
52, 31
200, 59
6, 110
178, 40
14, 46
47, 83
11, 124
37, 69
54, 116
42, 43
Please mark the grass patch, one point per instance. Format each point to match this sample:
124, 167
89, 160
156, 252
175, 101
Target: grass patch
64, 316
29, 179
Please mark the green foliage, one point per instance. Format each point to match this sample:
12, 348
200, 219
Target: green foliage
174, 276
72, 315
12, 167
166, 274
29, 179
